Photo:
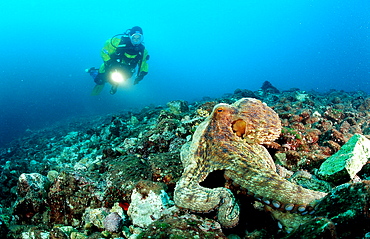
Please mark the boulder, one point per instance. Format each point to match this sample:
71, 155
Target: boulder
347, 162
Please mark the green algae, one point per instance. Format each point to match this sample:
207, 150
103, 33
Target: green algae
295, 133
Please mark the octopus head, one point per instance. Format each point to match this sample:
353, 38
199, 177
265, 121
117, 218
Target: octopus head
255, 122
223, 112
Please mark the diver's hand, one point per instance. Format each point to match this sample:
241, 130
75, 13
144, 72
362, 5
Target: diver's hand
137, 80
140, 77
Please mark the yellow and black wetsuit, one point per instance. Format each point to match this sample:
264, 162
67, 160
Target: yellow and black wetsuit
120, 49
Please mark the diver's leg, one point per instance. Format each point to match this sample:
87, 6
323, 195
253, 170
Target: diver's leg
113, 90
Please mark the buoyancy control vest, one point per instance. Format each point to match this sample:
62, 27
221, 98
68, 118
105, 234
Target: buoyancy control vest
128, 53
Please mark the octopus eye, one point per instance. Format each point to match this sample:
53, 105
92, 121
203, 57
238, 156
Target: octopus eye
220, 110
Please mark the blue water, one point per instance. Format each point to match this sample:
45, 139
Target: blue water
197, 48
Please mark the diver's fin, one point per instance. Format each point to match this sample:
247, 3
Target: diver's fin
97, 89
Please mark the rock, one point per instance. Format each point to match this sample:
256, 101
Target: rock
307, 180
365, 105
32, 183
343, 165
96, 217
134, 120
178, 106
52, 175
78, 235
148, 205
301, 95
318, 227
34, 235
67, 230
347, 206
3, 229
32, 192
344, 212
179, 225
268, 88
68, 198
243, 93
144, 144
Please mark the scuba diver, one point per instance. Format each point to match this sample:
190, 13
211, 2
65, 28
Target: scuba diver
121, 55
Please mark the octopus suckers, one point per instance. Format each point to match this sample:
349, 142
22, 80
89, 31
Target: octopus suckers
280, 225
289, 207
301, 208
276, 204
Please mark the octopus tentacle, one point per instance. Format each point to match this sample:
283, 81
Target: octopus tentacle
230, 139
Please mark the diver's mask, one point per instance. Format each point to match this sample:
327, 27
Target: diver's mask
136, 38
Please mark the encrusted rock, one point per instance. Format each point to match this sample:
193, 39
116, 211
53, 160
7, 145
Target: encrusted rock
301, 95
32, 182
307, 180
347, 206
68, 198
78, 235
96, 217
52, 175
343, 165
148, 205
319, 227
32, 235
32, 191
180, 225
178, 106
62, 232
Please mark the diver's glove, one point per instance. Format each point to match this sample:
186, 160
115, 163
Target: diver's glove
137, 80
140, 77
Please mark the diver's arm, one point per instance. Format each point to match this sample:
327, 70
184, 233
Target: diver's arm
108, 50
144, 67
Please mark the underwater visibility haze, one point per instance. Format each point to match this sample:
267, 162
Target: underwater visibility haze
197, 49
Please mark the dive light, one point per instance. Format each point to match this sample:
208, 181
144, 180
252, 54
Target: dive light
117, 77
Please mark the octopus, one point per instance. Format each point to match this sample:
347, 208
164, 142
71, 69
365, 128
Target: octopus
232, 139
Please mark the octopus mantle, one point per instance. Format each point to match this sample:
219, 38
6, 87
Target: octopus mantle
230, 139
